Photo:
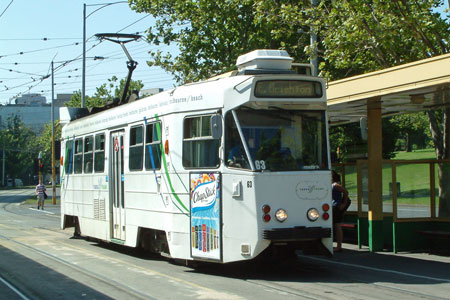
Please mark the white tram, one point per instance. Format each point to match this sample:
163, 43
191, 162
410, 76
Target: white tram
219, 170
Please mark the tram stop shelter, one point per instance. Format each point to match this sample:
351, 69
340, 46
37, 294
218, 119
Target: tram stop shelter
403, 216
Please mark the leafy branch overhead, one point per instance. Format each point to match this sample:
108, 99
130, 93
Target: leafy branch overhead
210, 35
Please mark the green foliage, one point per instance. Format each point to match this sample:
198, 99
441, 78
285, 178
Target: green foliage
411, 129
212, 34
346, 142
104, 93
75, 101
360, 36
19, 143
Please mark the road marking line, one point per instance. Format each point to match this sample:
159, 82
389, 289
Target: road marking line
43, 211
374, 269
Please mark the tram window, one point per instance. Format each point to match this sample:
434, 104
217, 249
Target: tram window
99, 153
136, 148
153, 142
200, 150
88, 154
78, 157
68, 162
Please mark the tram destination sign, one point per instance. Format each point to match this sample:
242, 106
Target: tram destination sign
288, 89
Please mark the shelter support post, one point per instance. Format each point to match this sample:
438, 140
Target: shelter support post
375, 214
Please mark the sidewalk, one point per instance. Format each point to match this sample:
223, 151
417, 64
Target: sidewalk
415, 265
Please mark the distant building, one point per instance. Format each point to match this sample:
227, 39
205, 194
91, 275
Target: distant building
30, 100
61, 99
33, 110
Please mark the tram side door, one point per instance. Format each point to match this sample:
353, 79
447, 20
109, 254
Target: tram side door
117, 185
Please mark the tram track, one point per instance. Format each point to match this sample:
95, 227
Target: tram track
115, 286
297, 288
136, 269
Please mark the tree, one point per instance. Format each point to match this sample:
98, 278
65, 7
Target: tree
104, 93
20, 147
413, 128
211, 34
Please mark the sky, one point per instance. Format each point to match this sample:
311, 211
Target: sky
33, 33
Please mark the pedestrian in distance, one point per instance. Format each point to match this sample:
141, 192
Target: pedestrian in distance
40, 192
340, 201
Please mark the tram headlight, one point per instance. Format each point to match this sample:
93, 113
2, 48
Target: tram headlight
281, 215
312, 214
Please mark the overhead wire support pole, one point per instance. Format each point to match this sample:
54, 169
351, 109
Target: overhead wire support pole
83, 79
53, 138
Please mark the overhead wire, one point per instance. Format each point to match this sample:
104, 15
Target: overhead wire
39, 50
115, 56
6, 8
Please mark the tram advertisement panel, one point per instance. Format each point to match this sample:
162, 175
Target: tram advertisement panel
205, 208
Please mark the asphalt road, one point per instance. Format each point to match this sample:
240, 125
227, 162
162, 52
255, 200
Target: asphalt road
38, 260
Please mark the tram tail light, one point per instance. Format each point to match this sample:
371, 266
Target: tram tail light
62, 160
266, 208
325, 207
266, 211
325, 216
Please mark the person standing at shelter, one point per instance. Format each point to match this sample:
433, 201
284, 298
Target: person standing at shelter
340, 199
40, 192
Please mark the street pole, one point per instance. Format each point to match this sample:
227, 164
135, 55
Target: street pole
3, 164
83, 75
53, 139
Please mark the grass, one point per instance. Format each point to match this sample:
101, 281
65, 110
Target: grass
417, 154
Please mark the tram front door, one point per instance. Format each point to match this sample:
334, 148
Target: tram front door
116, 186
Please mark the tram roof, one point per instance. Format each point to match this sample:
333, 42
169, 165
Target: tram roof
411, 87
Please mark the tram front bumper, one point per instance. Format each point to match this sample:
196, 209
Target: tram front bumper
308, 239
299, 233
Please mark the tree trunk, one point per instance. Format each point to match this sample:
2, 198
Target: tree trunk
444, 190
408, 143
444, 169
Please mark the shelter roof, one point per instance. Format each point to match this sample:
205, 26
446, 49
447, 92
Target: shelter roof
412, 87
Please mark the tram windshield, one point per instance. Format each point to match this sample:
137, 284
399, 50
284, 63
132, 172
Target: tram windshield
276, 140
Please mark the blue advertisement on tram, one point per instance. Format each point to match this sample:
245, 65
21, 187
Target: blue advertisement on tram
205, 215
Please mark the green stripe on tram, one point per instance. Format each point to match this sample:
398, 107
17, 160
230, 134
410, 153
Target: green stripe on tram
158, 127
